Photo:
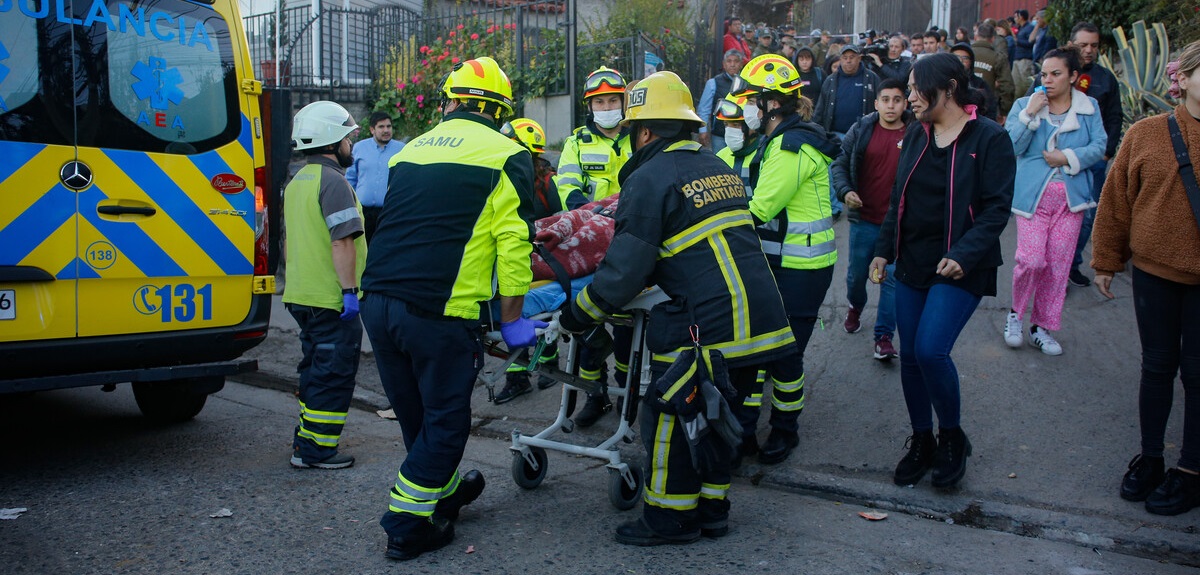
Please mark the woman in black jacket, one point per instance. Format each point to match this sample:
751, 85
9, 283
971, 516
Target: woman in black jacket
950, 203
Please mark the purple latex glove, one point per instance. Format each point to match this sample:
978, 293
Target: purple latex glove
520, 332
349, 306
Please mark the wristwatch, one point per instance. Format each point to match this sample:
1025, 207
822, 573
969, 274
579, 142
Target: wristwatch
350, 291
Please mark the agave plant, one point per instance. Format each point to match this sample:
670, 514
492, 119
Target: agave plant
1143, 70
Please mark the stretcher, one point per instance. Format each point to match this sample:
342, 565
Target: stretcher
530, 461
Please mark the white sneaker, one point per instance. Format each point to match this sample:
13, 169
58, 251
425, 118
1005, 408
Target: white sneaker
1042, 340
1012, 330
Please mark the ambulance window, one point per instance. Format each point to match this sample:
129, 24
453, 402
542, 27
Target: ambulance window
169, 76
35, 84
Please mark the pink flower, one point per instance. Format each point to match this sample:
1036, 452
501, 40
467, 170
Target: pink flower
1173, 91
445, 52
449, 42
454, 60
416, 79
491, 29
442, 57
452, 32
420, 98
401, 86
474, 36
420, 105
423, 49
425, 63
460, 27
402, 110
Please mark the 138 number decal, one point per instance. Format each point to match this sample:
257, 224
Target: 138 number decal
174, 302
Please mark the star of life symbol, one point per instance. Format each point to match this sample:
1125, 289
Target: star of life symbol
3, 74
158, 83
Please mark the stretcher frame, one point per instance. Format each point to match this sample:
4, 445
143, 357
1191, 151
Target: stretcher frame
530, 462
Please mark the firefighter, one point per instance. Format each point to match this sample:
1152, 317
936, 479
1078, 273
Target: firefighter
456, 215
326, 249
684, 225
587, 171
790, 177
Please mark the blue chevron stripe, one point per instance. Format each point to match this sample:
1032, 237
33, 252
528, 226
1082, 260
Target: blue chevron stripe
16, 155
77, 269
211, 164
129, 238
35, 224
168, 196
246, 138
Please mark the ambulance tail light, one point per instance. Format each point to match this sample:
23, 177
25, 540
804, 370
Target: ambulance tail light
261, 235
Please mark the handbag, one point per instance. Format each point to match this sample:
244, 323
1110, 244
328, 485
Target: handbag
1186, 172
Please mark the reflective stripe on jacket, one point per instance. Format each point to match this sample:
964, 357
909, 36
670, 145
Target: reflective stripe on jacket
588, 167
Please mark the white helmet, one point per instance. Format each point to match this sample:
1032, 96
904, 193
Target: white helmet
320, 124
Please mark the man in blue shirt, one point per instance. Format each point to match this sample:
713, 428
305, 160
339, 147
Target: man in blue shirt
369, 173
846, 96
1022, 63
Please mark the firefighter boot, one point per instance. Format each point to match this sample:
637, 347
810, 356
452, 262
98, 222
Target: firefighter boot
470, 485
778, 447
596, 406
431, 535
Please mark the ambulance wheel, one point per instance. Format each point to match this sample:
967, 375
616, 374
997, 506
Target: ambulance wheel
174, 401
526, 476
621, 495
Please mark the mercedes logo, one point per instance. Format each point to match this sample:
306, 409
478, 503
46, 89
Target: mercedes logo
75, 175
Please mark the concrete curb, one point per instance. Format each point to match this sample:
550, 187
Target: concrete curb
1141, 539
363, 399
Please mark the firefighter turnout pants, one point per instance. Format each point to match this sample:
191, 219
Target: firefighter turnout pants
327, 370
427, 365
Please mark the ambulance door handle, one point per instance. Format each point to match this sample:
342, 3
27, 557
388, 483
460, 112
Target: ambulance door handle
123, 210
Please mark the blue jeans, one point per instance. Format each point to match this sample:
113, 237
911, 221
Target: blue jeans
1085, 230
929, 321
862, 251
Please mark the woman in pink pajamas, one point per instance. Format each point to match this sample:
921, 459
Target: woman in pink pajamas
1057, 134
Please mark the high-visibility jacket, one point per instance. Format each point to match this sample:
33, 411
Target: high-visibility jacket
684, 226
457, 214
740, 162
312, 279
589, 164
790, 176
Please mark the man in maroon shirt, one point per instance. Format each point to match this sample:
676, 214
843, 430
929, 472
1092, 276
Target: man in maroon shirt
863, 175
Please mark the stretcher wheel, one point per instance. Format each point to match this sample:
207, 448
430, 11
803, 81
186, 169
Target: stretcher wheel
526, 476
620, 494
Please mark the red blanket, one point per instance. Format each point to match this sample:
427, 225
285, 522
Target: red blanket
578, 239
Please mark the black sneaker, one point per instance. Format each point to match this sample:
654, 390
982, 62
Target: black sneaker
470, 485
596, 406
1179, 493
919, 459
432, 535
335, 461
1077, 278
950, 457
778, 447
637, 533
516, 384
1144, 475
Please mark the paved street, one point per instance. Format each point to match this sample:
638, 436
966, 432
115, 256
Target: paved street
108, 493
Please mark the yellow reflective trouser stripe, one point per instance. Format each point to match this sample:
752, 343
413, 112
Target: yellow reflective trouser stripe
584, 300
768, 341
622, 367
761, 377
315, 416
319, 438
713, 491
753, 400
516, 368
656, 489
412, 491
702, 230
548, 357
733, 282
590, 374
788, 395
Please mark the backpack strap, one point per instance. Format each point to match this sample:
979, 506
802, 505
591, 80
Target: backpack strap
1186, 171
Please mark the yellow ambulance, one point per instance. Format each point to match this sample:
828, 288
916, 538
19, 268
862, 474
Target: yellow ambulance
132, 188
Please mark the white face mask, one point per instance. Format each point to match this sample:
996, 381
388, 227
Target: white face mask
734, 138
607, 119
750, 113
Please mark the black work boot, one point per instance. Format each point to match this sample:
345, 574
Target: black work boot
596, 406
1144, 475
778, 447
918, 460
1179, 493
950, 457
637, 533
470, 485
516, 384
431, 535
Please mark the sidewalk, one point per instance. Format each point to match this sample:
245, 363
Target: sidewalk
1052, 435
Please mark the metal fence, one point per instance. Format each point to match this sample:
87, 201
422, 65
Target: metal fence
346, 52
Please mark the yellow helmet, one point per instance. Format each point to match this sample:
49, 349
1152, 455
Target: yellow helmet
480, 79
603, 81
730, 109
767, 73
526, 132
660, 96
